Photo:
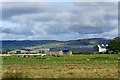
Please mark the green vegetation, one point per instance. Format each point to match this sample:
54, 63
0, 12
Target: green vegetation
66, 66
114, 44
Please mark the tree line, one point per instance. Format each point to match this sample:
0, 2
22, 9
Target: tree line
114, 45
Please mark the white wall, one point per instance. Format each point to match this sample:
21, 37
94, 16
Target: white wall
102, 49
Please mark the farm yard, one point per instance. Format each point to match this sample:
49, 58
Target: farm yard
64, 66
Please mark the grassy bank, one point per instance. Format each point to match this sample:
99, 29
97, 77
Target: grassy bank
77, 66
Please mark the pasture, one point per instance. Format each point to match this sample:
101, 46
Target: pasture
66, 66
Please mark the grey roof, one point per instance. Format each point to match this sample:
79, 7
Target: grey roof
54, 50
82, 49
84, 46
59, 49
27, 49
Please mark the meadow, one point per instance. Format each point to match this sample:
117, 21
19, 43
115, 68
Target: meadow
66, 66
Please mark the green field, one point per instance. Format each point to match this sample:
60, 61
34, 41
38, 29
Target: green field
77, 66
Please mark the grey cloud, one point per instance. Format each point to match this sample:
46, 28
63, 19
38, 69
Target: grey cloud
44, 19
14, 9
17, 31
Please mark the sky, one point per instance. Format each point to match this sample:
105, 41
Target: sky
59, 20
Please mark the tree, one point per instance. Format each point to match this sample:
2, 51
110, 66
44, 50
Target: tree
114, 45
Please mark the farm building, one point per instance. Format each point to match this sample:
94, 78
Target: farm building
34, 51
42, 52
64, 50
59, 51
84, 49
27, 51
38, 50
102, 48
53, 51
18, 51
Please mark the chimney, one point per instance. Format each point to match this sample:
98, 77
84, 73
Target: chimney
102, 44
106, 44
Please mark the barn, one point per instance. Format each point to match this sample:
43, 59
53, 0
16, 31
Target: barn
64, 50
84, 49
59, 51
18, 51
54, 51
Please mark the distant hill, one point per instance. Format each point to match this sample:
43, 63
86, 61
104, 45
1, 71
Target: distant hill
89, 41
15, 44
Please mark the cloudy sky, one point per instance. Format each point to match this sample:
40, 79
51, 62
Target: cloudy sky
59, 20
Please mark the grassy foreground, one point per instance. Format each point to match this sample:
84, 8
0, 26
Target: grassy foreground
77, 66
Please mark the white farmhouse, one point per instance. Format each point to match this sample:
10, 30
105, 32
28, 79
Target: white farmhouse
102, 48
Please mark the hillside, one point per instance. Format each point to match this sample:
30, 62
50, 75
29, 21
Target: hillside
15, 44
89, 41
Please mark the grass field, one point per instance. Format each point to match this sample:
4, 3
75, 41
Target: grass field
77, 66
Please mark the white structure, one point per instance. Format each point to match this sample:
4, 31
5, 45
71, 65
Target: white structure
106, 44
102, 48
17, 51
34, 51
61, 53
5, 55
